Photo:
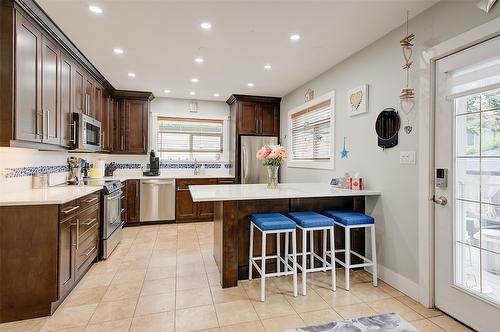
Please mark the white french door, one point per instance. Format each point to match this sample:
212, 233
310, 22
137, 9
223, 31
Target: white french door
467, 209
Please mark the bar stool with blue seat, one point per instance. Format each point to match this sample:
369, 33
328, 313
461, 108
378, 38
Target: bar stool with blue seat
309, 221
349, 220
273, 223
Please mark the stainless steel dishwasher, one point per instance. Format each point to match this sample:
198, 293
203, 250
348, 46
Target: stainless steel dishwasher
157, 200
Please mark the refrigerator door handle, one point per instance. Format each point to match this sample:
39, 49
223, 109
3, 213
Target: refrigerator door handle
243, 163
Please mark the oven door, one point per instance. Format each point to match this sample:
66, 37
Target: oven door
112, 212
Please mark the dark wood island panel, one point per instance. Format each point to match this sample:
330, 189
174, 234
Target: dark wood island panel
232, 231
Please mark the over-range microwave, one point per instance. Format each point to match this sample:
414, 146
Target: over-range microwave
86, 133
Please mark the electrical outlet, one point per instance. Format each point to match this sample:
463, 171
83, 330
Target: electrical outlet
407, 157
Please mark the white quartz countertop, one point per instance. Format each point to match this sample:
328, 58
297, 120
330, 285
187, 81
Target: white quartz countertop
49, 196
169, 176
238, 192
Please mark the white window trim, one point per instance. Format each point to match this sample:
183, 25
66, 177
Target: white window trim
330, 164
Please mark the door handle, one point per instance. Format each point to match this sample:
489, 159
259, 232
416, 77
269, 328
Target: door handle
441, 200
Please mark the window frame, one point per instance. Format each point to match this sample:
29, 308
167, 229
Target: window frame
320, 163
191, 151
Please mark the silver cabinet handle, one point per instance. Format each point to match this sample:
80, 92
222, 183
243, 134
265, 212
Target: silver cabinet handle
91, 200
144, 141
87, 254
182, 189
77, 233
123, 142
71, 209
91, 221
48, 124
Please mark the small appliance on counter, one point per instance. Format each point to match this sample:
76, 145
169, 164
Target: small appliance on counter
110, 168
153, 169
40, 181
74, 171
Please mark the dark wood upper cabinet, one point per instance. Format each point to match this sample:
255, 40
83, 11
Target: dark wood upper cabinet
269, 119
256, 115
78, 91
106, 121
28, 71
66, 101
248, 121
136, 126
50, 81
133, 200
89, 100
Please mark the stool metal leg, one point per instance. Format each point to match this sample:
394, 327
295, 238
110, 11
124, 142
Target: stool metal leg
347, 256
324, 249
278, 249
304, 260
294, 255
250, 254
311, 240
332, 250
374, 255
286, 252
263, 268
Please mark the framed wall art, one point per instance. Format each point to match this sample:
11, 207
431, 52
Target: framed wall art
358, 100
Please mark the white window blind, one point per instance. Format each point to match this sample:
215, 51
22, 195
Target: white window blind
187, 139
311, 133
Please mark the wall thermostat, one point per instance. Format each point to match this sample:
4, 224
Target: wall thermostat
441, 178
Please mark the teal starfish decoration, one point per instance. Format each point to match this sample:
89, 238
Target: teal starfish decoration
344, 154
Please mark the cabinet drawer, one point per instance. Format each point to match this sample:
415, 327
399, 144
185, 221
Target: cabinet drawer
68, 209
88, 200
88, 222
185, 183
87, 250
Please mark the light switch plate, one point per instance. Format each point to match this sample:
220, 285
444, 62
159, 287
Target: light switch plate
407, 157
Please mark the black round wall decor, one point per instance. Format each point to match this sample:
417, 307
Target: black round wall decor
387, 128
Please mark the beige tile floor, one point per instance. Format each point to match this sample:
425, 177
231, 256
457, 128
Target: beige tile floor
164, 278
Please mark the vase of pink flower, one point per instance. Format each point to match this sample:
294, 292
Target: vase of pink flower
272, 157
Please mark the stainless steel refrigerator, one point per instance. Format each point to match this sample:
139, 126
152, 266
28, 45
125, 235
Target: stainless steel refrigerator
251, 169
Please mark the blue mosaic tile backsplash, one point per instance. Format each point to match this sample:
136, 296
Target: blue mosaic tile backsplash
29, 171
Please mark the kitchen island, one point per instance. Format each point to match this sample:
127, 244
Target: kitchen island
233, 204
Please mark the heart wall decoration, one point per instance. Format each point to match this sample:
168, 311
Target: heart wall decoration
357, 100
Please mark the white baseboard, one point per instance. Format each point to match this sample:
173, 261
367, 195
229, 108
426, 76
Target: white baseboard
397, 281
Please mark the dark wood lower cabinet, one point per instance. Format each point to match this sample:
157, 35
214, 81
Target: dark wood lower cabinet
185, 209
44, 251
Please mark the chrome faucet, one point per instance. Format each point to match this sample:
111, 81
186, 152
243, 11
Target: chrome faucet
196, 167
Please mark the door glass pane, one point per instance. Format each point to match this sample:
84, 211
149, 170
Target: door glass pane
468, 135
490, 180
468, 267
467, 179
477, 194
491, 275
467, 222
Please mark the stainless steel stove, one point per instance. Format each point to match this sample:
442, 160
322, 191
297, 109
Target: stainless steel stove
111, 212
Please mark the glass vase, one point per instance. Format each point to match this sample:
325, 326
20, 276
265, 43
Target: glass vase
272, 171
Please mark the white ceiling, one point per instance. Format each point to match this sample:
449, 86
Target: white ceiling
162, 38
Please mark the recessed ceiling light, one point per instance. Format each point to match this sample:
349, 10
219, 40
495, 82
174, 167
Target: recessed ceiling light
216, 95
192, 93
195, 80
118, 51
294, 37
250, 84
206, 26
268, 66
95, 9
131, 74
199, 60
166, 91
